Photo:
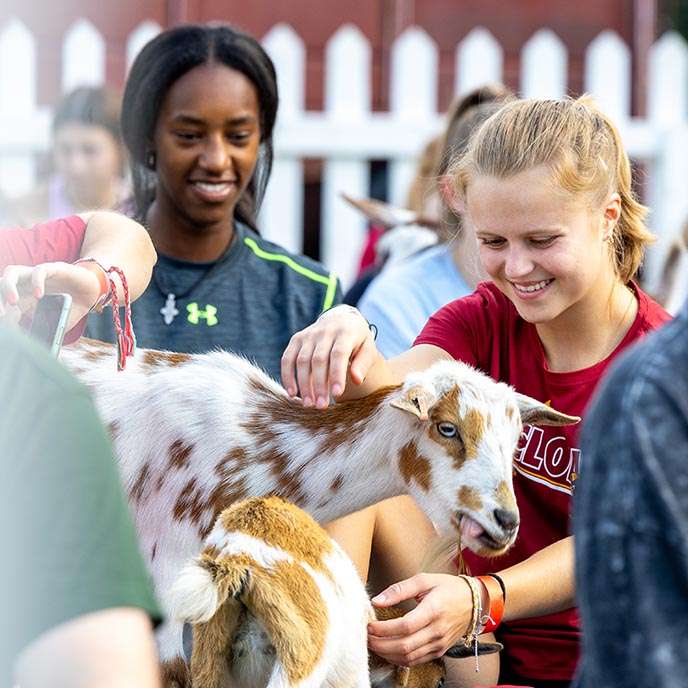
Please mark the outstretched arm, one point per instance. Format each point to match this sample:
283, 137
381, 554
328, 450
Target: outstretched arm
109, 238
542, 584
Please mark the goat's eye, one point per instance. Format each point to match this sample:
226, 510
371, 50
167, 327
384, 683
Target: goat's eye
447, 429
440, 683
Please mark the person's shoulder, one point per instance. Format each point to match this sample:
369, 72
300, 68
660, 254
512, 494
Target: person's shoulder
277, 257
307, 278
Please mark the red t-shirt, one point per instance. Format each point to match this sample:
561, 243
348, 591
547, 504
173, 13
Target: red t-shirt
485, 330
56, 240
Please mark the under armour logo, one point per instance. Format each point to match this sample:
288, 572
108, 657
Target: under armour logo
195, 314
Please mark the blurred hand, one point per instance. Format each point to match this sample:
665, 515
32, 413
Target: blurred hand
21, 287
317, 359
441, 619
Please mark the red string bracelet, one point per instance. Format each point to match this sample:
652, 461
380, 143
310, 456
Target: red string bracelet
496, 603
126, 341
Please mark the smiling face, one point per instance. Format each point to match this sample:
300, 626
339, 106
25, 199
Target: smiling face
206, 142
542, 246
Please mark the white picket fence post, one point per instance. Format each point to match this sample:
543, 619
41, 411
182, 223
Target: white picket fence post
543, 66
83, 57
608, 75
281, 217
347, 102
413, 99
667, 109
19, 115
479, 61
144, 32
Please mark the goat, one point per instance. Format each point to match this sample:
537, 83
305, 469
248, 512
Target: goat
195, 433
276, 602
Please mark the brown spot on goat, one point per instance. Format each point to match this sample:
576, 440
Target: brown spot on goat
505, 496
228, 464
285, 528
223, 495
295, 616
339, 424
413, 466
337, 483
470, 498
138, 488
175, 674
159, 359
190, 504
94, 355
212, 644
474, 426
179, 454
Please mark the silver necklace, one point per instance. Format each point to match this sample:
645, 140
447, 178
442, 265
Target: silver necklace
169, 311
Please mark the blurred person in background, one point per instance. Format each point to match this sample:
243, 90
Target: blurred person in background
87, 163
400, 300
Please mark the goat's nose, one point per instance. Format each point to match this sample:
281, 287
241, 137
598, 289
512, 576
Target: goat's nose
508, 520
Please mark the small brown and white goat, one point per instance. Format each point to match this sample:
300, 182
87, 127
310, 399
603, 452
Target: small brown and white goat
195, 433
276, 602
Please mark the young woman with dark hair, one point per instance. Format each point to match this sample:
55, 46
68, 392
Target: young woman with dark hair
198, 116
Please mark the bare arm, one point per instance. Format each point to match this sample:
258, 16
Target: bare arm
542, 584
337, 356
111, 239
114, 239
113, 648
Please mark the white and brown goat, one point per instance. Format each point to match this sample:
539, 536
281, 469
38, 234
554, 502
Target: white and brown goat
274, 601
195, 433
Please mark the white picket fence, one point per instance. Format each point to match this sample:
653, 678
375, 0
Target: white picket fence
347, 135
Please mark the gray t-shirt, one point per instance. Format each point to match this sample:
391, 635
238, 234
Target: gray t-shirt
250, 301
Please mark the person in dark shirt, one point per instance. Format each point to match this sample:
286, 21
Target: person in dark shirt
631, 519
197, 118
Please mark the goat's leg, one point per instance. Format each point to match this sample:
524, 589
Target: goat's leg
212, 647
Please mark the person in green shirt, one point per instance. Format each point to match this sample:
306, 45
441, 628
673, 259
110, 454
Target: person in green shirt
78, 605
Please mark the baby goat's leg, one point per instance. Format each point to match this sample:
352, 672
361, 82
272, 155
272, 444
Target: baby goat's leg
212, 647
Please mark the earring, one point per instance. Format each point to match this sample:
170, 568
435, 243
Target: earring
150, 160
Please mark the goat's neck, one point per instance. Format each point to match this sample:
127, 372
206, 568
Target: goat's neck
346, 457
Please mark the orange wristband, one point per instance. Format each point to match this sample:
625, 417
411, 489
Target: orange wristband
104, 297
494, 592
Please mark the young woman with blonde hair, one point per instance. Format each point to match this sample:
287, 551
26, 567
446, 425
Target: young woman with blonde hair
546, 188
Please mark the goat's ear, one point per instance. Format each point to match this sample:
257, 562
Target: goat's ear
417, 400
535, 412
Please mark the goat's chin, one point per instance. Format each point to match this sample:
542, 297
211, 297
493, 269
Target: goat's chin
482, 549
